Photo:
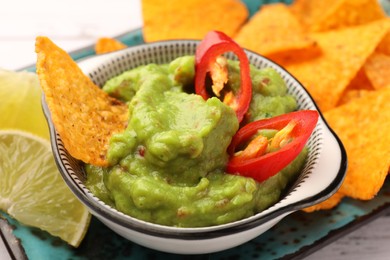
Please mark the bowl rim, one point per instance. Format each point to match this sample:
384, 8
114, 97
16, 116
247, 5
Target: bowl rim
197, 233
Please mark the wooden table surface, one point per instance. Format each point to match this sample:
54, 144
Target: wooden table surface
67, 25
371, 241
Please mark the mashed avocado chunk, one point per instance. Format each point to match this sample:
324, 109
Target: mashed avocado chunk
168, 165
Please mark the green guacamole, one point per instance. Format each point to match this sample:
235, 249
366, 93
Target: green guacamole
168, 165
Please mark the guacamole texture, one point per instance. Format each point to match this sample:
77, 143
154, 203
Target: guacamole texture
168, 165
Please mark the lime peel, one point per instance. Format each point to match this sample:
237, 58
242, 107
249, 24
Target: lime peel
20, 106
32, 190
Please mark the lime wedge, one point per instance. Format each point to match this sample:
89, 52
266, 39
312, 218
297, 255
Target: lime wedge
20, 106
32, 190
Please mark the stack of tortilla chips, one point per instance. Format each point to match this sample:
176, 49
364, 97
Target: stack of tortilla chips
338, 49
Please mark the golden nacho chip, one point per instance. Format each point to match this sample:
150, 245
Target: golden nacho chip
335, 14
377, 68
384, 45
351, 94
105, 45
191, 19
363, 126
359, 86
360, 81
296, 56
273, 29
330, 203
344, 52
83, 114
309, 12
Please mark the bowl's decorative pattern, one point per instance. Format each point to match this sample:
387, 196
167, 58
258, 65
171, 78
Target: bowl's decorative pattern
326, 156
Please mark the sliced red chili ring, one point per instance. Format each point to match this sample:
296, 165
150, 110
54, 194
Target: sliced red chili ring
211, 47
264, 165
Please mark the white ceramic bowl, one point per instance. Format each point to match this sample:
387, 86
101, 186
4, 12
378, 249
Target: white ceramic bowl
321, 177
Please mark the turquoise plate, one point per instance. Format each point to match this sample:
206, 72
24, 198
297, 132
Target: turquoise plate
296, 236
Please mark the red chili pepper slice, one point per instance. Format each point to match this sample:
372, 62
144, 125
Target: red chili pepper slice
211, 47
294, 129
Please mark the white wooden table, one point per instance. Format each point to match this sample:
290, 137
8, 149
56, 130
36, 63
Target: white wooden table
73, 24
371, 241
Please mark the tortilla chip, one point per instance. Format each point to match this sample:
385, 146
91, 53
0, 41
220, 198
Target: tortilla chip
360, 81
191, 19
84, 115
296, 56
384, 45
309, 12
273, 29
330, 203
359, 86
344, 52
337, 14
363, 126
377, 68
105, 45
352, 94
